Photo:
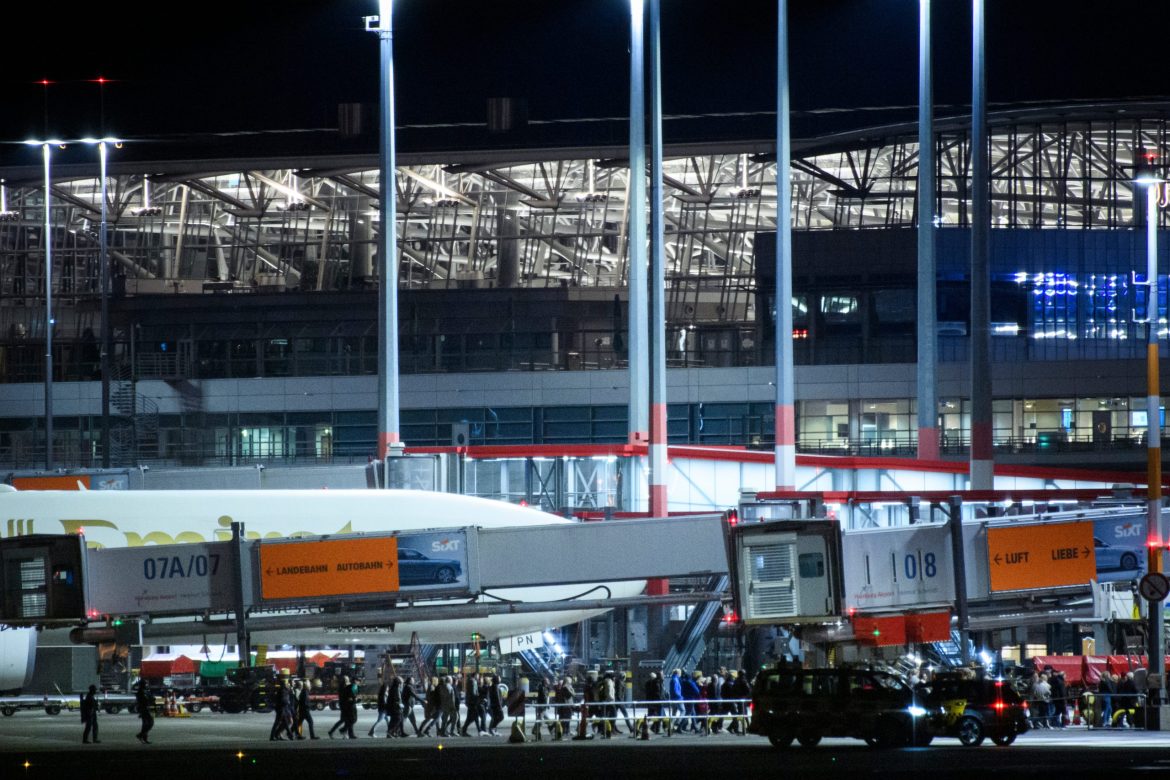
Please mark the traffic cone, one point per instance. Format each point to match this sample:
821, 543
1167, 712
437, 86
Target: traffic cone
517, 735
644, 732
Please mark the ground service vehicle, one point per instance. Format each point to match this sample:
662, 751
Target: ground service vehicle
808, 704
244, 688
960, 704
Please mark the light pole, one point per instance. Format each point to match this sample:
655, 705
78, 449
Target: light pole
928, 433
785, 450
104, 283
638, 311
982, 462
1154, 532
658, 415
107, 332
46, 158
389, 435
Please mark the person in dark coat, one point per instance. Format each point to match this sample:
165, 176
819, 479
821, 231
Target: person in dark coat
471, 699
495, 705
144, 703
282, 706
394, 706
347, 705
304, 709
653, 693
89, 715
383, 690
742, 689
432, 707
351, 712
1059, 699
410, 698
1127, 701
484, 710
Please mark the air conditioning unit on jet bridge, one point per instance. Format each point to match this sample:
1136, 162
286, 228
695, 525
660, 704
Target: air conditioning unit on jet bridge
787, 571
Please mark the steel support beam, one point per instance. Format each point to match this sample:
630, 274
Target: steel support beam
390, 617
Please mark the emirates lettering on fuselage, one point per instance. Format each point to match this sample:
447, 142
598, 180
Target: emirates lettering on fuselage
106, 533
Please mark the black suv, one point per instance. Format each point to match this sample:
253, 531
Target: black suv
808, 704
972, 708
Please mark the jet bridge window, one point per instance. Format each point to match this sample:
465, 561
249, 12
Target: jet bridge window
811, 565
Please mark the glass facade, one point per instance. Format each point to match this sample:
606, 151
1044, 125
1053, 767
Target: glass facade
845, 427
522, 265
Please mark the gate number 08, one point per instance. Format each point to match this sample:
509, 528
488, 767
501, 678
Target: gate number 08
911, 566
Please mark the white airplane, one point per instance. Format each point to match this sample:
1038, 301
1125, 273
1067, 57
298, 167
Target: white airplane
115, 518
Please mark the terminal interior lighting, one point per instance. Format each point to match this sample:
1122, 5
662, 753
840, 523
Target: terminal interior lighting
1145, 172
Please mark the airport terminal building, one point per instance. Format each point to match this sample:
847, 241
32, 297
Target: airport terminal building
243, 302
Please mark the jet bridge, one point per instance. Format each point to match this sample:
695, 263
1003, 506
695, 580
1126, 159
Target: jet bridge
897, 564
371, 579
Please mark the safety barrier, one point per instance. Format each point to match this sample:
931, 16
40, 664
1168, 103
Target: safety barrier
603, 719
641, 718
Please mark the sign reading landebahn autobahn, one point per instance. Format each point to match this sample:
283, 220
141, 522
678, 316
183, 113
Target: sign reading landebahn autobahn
336, 567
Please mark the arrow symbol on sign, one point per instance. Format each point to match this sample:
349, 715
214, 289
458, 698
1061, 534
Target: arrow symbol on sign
268, 572
997, 559
1086, 549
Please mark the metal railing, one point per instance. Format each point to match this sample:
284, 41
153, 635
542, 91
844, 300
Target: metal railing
586, 719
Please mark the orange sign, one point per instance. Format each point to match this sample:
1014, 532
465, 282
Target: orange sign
1041, 556
341, 567
74, 482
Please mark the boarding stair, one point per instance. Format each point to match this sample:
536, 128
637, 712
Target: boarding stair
688, 649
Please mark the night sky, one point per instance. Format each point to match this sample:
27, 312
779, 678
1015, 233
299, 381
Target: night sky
214, 66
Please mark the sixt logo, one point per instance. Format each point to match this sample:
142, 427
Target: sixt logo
445, 545
1127, 530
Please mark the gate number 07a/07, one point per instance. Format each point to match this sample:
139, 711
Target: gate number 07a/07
913, 564
174, 567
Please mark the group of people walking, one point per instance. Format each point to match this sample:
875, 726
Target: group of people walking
440, 699
699, 703
1113, 704
481, 694
683, 702
294, 711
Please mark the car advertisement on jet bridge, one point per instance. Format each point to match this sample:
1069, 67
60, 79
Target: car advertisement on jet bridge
427, 560
895, 568
1119, 544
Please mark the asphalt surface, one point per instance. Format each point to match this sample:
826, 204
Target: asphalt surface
36, 745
